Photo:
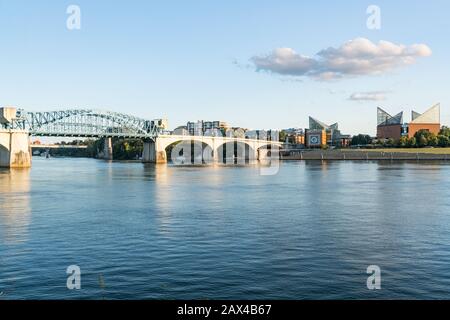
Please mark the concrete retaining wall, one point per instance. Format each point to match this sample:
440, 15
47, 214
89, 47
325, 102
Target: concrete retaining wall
361, 155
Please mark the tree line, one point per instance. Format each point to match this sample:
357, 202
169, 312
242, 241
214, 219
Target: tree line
422, 138
123, 149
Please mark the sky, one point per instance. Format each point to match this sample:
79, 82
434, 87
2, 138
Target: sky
255, 64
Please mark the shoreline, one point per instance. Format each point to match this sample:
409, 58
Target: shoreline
329, 155
360, 155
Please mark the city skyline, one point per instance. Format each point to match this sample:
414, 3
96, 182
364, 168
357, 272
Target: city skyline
257, 65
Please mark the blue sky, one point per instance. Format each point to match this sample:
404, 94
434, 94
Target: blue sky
190, 60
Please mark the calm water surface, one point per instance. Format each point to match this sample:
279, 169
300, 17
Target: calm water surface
160, 232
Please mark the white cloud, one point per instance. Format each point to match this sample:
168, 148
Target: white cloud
356, 57
368, 96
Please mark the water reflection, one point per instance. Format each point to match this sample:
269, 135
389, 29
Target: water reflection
176, 186
15, 211
162, 194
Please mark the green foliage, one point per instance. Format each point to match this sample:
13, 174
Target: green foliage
412, 142
445, 131
403, 142
89, 152
421, 141
127, 149
94, 146
282, 136
443, 141
390, 142
123, 149
361, 140
426, 138
433, 141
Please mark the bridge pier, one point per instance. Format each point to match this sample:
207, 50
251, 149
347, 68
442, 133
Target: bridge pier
108, 149
215, 154
15, 149
253, 152
263, 154
154, 152
211, 155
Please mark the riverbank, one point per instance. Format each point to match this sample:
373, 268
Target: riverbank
382, 154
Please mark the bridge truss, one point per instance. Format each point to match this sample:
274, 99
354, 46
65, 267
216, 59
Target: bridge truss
85, 123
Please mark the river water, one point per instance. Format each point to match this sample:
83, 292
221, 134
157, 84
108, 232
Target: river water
164, 232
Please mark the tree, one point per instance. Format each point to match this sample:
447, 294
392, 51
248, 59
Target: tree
425, 138
390, 142
433, 140
421, 141
361, 140
443, 141
445, 131
403, 142
412, 142
127, 149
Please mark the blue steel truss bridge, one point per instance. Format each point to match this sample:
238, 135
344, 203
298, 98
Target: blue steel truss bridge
86, 123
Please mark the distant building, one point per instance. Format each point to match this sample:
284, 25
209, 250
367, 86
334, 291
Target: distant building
251, 134
389, 126
320, 134
162, 124
392, 127
215, 125
195, 128
295, 136
181, 131
255, 134
236, 132
316, 138
200, 127
430, 120
345, 140
36, 142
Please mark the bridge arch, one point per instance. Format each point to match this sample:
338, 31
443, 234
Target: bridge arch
236, 152
189, 151
268, 150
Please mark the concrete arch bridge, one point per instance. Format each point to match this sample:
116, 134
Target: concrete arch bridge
206, 149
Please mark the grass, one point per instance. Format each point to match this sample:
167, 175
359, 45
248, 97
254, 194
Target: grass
406, 150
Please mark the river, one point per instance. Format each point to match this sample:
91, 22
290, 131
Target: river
164, 232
